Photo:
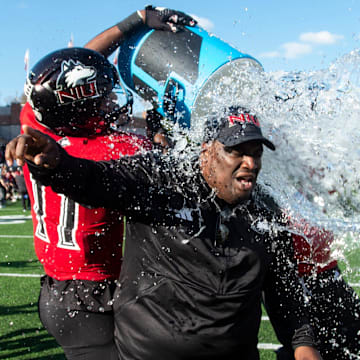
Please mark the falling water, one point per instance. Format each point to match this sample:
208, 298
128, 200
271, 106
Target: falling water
313, 119
314, 123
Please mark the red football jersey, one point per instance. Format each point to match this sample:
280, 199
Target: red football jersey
312, 248
73, 241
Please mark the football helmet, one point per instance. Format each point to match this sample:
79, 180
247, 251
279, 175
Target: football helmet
73, 92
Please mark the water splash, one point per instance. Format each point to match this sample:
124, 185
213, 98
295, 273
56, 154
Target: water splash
313, 120
314, 123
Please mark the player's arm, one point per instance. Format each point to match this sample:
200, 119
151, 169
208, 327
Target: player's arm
52, 166
151, 17
120, 184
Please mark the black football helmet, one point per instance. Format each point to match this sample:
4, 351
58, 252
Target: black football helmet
73, 92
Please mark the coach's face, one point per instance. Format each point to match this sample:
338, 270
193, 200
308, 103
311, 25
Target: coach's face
231, 171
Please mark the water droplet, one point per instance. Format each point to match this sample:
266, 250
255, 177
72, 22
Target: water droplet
72, 314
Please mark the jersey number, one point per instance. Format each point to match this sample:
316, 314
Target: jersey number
67, 222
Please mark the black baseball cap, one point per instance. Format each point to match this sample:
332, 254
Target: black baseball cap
236, 125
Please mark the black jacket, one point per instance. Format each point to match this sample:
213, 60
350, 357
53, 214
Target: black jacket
191, 281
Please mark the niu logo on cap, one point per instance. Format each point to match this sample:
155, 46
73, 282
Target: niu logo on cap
242, 119
76, 81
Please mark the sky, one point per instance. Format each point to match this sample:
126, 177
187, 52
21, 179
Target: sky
305, 35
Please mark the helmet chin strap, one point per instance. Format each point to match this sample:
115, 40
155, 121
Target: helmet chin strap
94, 125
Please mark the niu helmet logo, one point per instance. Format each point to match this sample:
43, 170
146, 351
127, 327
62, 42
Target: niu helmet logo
242, 119
76, 81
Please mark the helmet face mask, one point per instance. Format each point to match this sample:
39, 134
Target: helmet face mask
122, 102
70, 92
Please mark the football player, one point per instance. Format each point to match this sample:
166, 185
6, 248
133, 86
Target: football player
71, 99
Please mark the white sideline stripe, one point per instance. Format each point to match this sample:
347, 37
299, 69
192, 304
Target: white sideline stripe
16, 236
20, 275
10, 217
265, 346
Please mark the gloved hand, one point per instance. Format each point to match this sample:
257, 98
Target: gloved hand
153, 122
167, 19
156, 131
155, 18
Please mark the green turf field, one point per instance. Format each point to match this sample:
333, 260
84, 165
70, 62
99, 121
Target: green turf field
21, 333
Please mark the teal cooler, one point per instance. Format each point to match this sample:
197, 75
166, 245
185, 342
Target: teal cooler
173, 71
